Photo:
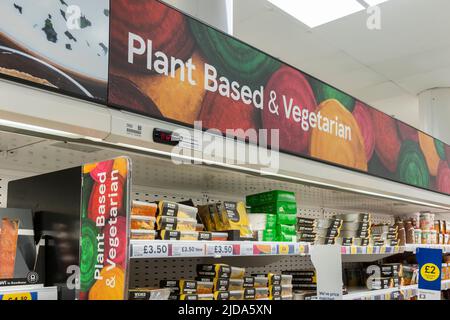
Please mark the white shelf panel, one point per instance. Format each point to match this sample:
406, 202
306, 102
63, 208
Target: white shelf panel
28, 293
182, 249
413, 247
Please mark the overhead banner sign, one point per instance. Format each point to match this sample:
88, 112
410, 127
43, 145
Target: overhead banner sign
104, 245
167, 65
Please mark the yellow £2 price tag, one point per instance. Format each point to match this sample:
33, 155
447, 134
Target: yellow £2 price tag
17, 296
430, 272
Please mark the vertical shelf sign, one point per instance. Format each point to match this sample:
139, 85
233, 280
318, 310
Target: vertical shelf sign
430, 271
327, 261
104, 245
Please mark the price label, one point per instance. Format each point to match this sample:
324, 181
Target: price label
22, 296
150, 250
283, 249
430, 272
219, 249
383, 250
369, 250
188, 250
354, 250
246, 249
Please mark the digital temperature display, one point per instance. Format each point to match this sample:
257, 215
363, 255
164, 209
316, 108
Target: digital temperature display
165, 137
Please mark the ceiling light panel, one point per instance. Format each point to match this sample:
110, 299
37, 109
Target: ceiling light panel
314, 13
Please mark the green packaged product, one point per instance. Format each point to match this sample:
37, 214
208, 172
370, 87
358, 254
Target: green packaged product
287, 219
271, 196
286, 229
269, 235
283, 237
276, 208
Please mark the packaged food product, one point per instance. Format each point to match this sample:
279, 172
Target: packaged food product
143, 234
417, 236
324, 240
220, 271
176, 224
286, 219
306, 221
286, 279
249, 282
354, 217
193, 297
275, 291
205, 287
327, 233
236, 295
283, 237
426, 221
219, 236
236, 213
270, 196
213, 218
139, 208
182, 286
236, 284
222, 295
148, 294
329, 223
221, 284
9, 233
276, 208
142, 223
286, 290
261, 293
262, 221
180, 235
176, 210
199, 227
286, 229
261, 282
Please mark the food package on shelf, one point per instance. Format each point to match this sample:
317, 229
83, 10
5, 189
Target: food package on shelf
143, 223
262, 221
149, 294
176, 224
177, 210
220, 271
139, 208
237, 218
213, 218
181, 286
143, 234
9, 232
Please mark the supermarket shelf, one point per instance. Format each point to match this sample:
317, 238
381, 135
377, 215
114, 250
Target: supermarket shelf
412, 247
179, 249
28, 293
388, 294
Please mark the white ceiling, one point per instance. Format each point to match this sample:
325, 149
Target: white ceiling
386, 68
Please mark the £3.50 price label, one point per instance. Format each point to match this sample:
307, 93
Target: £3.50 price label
22, 296
219, 249
151, 250
430, 272
188, 250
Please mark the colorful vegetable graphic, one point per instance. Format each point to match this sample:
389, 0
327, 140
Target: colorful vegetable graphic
110, 287
329, 147
387, 140
325, 92
363, 117
291, 84
412, 167
234, 59
429, 150
166, 28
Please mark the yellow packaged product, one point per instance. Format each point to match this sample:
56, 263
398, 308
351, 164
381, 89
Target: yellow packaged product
176, 210
175, 224
236, 213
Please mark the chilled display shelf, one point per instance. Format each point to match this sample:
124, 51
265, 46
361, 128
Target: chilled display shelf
29, 293
178, 249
